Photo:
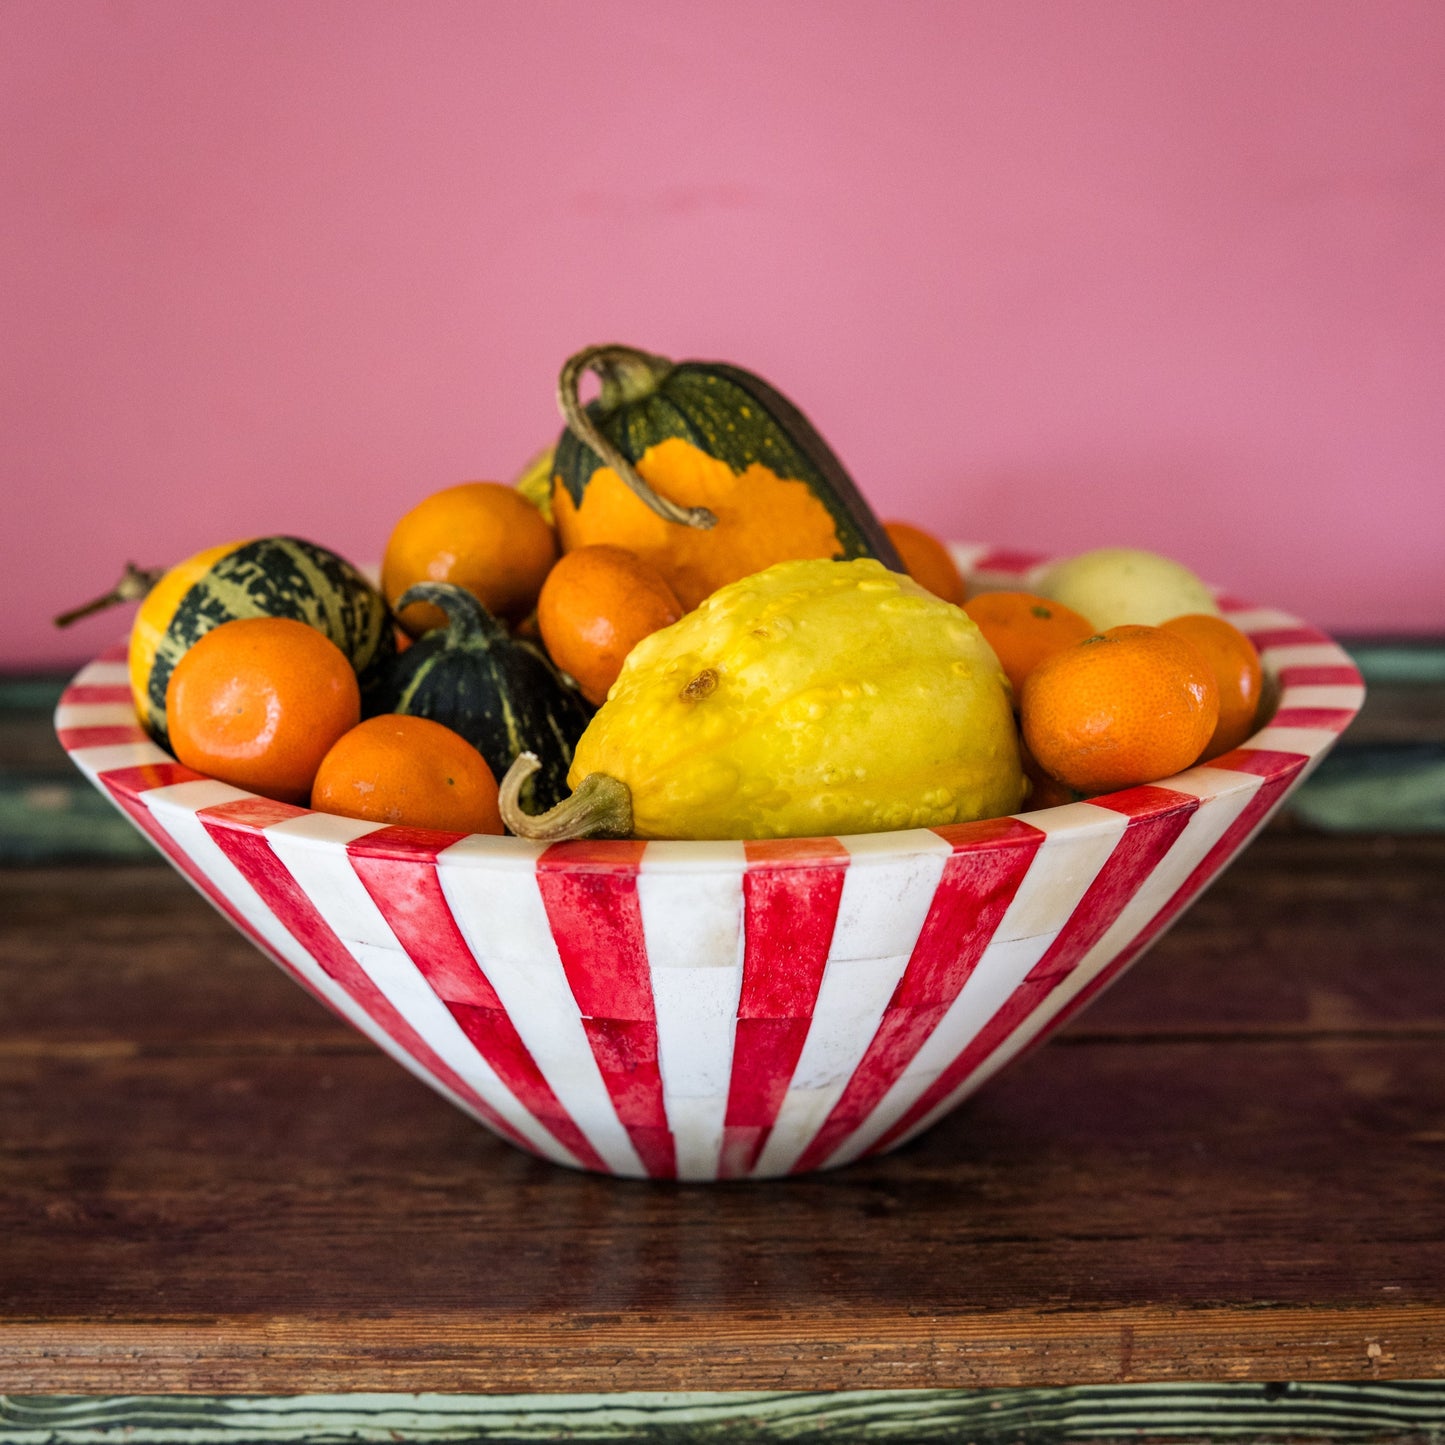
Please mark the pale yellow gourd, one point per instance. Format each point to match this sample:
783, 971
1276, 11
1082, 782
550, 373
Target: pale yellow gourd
814, 698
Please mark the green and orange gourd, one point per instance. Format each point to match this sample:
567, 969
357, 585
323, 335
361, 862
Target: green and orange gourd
703, 470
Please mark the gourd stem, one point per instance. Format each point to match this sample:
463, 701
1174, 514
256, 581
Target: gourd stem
467, 620
627, 375
601, 807
134, 584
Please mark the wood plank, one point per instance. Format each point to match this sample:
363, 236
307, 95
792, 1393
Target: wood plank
681, 1350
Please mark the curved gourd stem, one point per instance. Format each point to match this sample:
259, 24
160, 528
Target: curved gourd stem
467, 620
135, 583
601, 807
627, 375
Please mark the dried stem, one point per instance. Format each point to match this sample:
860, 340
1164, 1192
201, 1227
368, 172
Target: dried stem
601, 807
135, 582
627, 375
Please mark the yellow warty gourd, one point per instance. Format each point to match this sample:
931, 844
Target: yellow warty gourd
814, 698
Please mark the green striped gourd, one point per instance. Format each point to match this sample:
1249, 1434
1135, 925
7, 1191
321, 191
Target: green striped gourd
262, 577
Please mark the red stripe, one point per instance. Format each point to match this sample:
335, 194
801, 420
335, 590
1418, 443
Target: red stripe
1149, 801
90, 692
1268, 637
1319, 675
1003, 559
1138, 853
1337, 719
106, 735
280, 892
590, 893
253, 812
791, 891
765, 1053
989, 833
397, 866
977, 885
597, 923
144, 776
1157, 816
1261, 762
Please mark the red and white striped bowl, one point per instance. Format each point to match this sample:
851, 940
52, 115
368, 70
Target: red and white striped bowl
718, 1010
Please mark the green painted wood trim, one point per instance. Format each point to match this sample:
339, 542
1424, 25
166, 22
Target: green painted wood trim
1379, 789
1407, 1410
58, 820
38, 692
1416, 663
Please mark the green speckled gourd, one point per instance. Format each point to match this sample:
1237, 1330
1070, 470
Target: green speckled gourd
262, 577
815, 698
500, 693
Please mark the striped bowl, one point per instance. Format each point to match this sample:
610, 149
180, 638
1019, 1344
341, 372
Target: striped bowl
719, 1010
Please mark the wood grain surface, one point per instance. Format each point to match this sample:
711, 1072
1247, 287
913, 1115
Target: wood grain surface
1230, 1168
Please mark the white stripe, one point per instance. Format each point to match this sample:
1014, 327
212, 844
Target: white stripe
1344, 696
95, 762
1305, 654
112, 757
1223, 795
1261, 619
95, 715
326, 831
193, 796
502, 917
692, 923
881, 912
103, 674
1078, 840
966, 554
311, 848
1304, 741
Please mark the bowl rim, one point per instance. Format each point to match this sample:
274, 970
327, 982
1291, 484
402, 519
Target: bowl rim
1319, 691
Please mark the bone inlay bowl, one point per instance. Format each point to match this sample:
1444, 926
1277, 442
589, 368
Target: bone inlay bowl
719, 1010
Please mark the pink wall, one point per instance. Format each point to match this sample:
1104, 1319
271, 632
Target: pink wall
1049, 274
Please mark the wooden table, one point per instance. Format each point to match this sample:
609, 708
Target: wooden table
1227, 1175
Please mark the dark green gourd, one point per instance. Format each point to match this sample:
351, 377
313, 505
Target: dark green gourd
500, 693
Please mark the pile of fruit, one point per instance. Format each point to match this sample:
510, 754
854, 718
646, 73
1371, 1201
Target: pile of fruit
683, 621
